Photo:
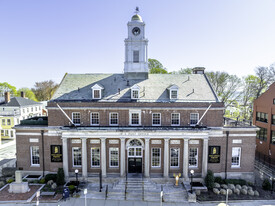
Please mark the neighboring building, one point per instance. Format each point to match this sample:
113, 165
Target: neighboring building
136, 122
264, 118
7, 131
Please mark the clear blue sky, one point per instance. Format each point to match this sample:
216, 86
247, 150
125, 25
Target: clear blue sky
44, 39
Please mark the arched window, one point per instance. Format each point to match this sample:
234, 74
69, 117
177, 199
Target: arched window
135, 142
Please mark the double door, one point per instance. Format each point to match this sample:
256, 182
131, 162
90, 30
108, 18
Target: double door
134, 165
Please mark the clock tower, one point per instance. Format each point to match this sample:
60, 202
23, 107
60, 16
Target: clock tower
136, 58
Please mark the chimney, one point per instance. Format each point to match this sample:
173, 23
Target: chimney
198, 70
7, 97
22, 94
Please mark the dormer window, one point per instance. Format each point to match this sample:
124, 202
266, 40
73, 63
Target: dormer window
97, 91
173, 91
135, 92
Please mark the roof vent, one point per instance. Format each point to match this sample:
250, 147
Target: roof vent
198, 70
128, 83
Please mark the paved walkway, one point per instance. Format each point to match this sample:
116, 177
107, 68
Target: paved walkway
81, 202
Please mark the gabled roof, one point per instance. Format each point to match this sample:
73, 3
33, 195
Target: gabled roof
173, 86
19, 102
135, 87
191, 88
97, 86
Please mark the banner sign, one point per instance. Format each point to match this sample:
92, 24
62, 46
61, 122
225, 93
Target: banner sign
214, 153
56, 153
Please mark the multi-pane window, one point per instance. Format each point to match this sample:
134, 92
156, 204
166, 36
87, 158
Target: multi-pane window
95, 155
262, 134
77, 161
272, 138
236, 157
11, 133
174, 157
131, 152
114, 156
76, 118
135, 93
3, 122
156, 119
94, 118
175, 119
135, 118
174, 94
262, 117
135, 56
194, 118
96, 93
2, 132
273, 119
155, 157
193, 157
7, 132
113, 118
35, 161
8, 122
135, 152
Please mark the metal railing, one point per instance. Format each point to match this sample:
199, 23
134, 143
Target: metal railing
265, 159
106, 192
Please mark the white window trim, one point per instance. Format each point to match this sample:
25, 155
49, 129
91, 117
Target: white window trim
159, 119
152, 157
171, 93
110, 158
110, 118
190, 118
135, 151
95, 166
130, 118
194, 166
172, 119
178, 157
73, 157
239, 165
34, 165
132, 91
91, 118
73, 117
94, 93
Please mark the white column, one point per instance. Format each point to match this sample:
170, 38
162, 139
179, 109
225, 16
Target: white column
122, 157
84, 158
65, 157
147, 158
204, 157
166, 158
103, 156
185, 160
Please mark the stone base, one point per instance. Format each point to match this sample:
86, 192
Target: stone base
191, 197
19, 187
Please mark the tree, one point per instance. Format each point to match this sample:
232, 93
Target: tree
265, 77
183, 71
6, 87
155, 67
226, 86
28, 93
44, 90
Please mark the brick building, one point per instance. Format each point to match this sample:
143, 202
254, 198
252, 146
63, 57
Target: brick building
264, 118
136, 122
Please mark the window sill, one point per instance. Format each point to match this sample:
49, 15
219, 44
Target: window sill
95, 167
235, 167
193, 167
77, 166
35, 165
113, 166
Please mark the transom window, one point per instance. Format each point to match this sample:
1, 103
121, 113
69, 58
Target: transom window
135, 56
113, 118
174, 94
114, 156
156, 119
175, 119
193, 157
194, 118
272, 139
135, 93
135, 118
236, 157
76, 118
77, 161
135, 152
156, 156
35, 160
94, 118
174, 157
95, 156
135, 142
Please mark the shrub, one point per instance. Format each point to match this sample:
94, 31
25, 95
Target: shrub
50, 182
60, 177
217, 185
230, 192
250, 192
50, 177
238, 187
231, 186
237, 191
223, 191
244, 191
24, 180
71, 187
224, 186
42, 181
219, 180
235, 181
209, 179
266, 184
8, 171
10, 180
244, 187
54, 186
216, 191
256, 193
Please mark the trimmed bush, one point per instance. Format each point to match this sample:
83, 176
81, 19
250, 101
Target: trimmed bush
71, 187
230, 192
231, 186
54, 186
250, 192
2, 183
237, 191
216, 191
224, 186
219, 180
50, 182
266, 184
235, 181
42, 181
244, 192
60, 177
238, 187
8, 171
217, 185
50, 177
223, 192
256, 193
10, 180
244, 187
24, 180
209, 179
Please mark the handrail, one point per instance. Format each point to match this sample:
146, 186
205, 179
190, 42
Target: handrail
106, 192
126, 185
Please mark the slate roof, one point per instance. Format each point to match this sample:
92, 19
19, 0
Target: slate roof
19, 102
192, 88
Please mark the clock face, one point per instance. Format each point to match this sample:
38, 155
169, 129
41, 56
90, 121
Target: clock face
136, 31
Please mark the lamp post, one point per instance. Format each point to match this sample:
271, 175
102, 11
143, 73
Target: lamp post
192, 173
76, 179
85, 193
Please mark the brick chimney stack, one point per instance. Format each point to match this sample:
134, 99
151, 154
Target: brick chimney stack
22, 94
7, 97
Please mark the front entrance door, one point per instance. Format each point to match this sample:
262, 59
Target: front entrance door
135, 165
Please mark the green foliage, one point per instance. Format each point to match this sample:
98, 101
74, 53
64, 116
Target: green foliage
235, 181
6, 87
42, 181
183, 71
266, 184
10, 180
209, 179
71, 187
155, 67
219, 180
44, 90
24, 180
51, 177
28, 93
60, 177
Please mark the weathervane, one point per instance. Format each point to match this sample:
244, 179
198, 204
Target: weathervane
137, 10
